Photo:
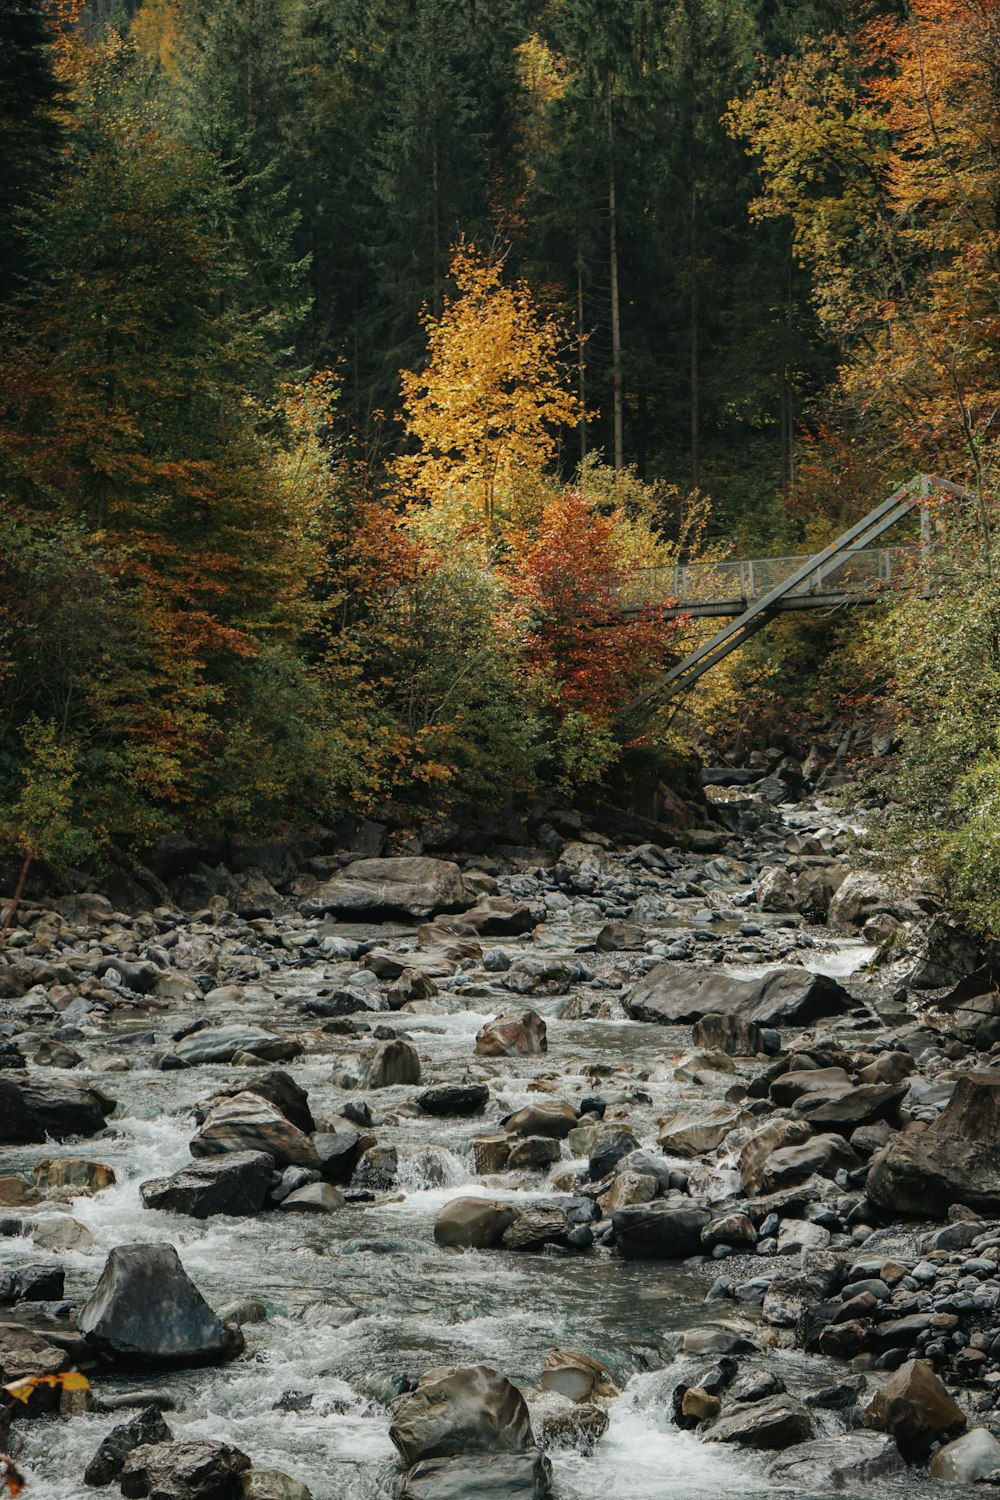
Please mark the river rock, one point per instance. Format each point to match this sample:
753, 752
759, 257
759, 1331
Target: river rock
383, 889
955, 1160
537, 1227
850, 1461
72, 1172
772, 1137
248, 1122
236, 1184
220, 1044
808, 891
109, 1460
495, 916
474, 1223
36, 1107
579, 1428
626, 1189
730, 1033
532, 1153
272, 1484
690, 1132
514, 1035
548, 975
610, 1147
776, 1423
392, 1064
339, 1152
580, 1377
659, 1231
461, 1409
916, 1409
861, 1105
824, 1155
24, 1352
620, 937
732, 1228
674, 993
277, 1087
184, 1471
454, 1099
551, 1117
146, 1308
862, 895
968, 1460
314, 1198
495, 1476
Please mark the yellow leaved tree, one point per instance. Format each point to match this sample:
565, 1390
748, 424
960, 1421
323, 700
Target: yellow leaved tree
483, 419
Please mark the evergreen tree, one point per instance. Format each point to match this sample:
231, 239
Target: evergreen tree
31, 133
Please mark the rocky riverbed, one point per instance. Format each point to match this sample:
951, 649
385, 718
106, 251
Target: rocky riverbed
600, 1167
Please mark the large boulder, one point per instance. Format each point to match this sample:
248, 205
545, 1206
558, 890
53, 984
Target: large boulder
850, 1461
659, 1231
675, 993
493, 1476
689, 1132
184, 1471
277, 1087
862, 895
461, 1409
248, 1122
40, 1107
495, 916
515, 1035
235, 1183
968, 1460
846, 1110
391, 1064
551, 1117
474, 1223
577, 1376
454, 1099
220, 1044
824, 1155
775, 1423
109, 1460
955, 1160
25, 1352
146, 1309
380, 889
916, 1409
772, 1137
808, 891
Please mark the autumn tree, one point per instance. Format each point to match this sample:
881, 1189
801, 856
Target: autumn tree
486, 412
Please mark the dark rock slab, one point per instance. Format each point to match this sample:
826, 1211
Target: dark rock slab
37, 1107
146, 1309
236, 1184
109, 1460
676, 993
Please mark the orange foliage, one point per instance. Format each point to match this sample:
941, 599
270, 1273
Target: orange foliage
562, 577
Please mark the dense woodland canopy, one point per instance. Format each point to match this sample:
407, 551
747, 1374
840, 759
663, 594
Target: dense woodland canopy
354, 353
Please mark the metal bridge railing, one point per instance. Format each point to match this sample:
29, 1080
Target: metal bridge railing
864, 571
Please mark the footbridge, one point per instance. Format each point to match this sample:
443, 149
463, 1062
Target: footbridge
852, 570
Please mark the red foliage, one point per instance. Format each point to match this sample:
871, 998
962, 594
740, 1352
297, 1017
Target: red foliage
563, 578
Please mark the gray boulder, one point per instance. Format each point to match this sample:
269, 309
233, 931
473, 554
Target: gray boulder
236, 1184
248, 1122
515, 1035
37, 1107
955, 1160
474, 1223
675, 993
220, 1044
970, 1459
380, 889
661, 1230
109, 1460
776, 1423
863, 895
496, 1476
461, 1409
145, 1308
850, 1461
184, 1471
391, 1064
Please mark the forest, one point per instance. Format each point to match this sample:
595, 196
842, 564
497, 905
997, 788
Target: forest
355, 355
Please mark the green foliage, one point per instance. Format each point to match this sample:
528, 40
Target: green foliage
939, 659
41, 820
583, 751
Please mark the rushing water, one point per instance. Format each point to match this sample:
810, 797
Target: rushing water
359, 1295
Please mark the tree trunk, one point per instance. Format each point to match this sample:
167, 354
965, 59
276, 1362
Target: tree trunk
616, 332
581, 365
695, 316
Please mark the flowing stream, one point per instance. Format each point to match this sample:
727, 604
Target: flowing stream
358, 1296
